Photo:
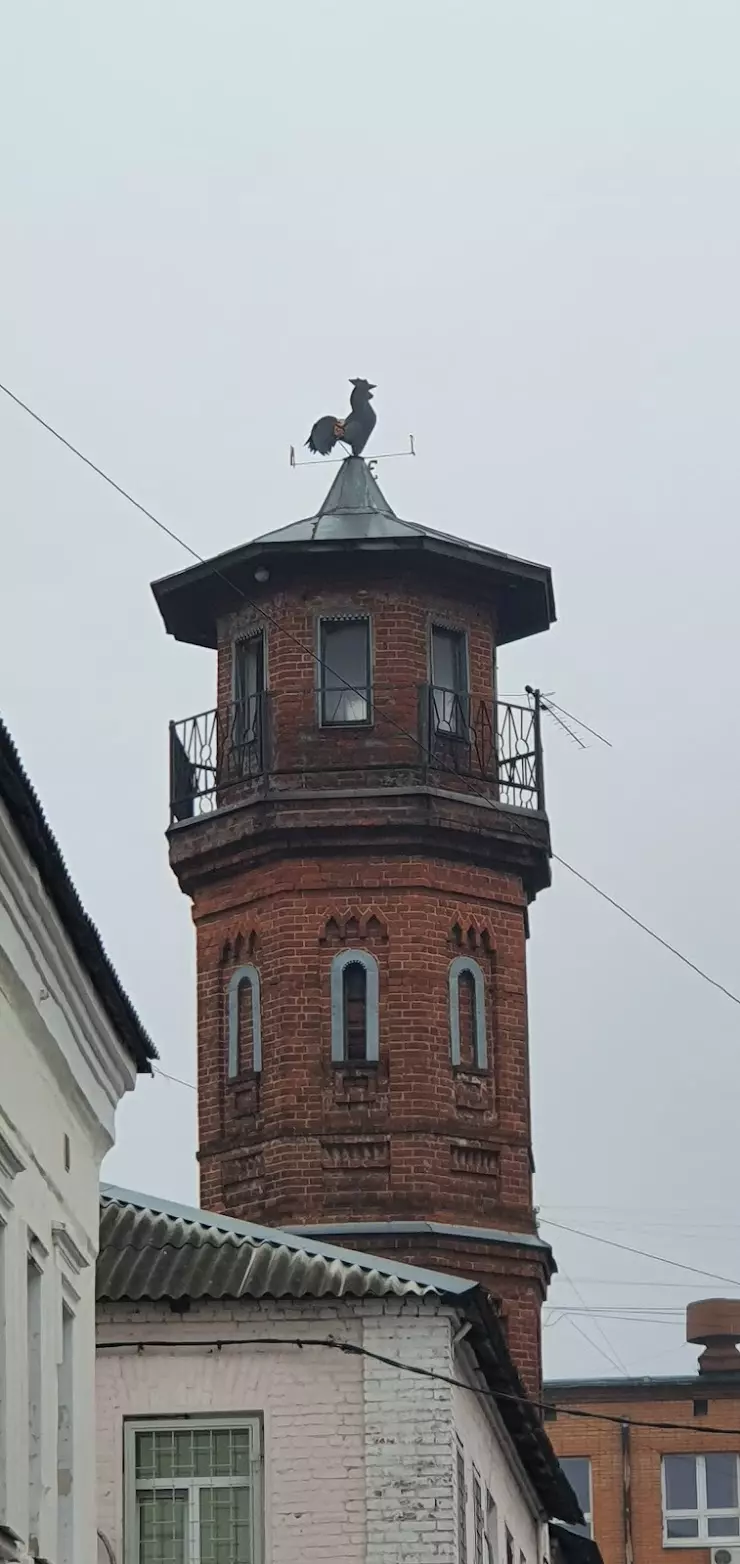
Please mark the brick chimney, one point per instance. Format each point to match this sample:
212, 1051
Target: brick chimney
714, 1323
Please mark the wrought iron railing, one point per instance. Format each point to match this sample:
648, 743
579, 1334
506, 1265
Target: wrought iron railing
218, 755
215, 752
499, 742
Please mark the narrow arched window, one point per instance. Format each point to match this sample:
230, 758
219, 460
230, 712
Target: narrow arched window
467, 1014
354, 1008
244, 1019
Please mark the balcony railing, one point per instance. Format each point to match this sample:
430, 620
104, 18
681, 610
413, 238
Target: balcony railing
221, 756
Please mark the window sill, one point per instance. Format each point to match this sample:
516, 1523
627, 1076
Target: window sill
476, 1072
705, 1543
355, 1066
346, 727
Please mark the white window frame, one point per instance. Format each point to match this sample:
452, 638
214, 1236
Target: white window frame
342, 960
702, 1513
166, 1425
250, 975
588, 1514
460, 965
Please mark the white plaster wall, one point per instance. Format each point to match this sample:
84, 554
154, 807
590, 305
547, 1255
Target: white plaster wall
360, 1456
62, 1071
487, 1448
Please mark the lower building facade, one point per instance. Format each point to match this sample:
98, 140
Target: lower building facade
262, 1396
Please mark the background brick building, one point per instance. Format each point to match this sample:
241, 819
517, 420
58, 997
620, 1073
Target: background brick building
360, 824
650, 1490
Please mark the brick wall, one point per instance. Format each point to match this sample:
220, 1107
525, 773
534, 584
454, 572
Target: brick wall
360, 1456
285, 885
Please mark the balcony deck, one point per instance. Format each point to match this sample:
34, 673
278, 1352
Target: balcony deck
399, 736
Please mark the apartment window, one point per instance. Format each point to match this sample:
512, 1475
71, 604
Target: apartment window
244, 1019
477, 1517
467, 1014
700, 1499
462, 1508
344, 670
193, 1492
449, 681
577, 1469
491, 1529
354, 1008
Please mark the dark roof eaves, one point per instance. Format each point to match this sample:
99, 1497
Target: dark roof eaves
30, 822
519, 1414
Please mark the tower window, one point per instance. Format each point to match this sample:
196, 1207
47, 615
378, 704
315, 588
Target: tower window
449, 681
467, 1014
248, 686
244, 1022
354, 1008
344, 672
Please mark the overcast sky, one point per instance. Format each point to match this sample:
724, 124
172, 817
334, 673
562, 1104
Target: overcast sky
522, 221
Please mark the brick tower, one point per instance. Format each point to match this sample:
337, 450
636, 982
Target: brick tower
360, 825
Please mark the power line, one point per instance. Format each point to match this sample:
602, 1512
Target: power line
352, 1349
176, 1078
715, 1276
309, 651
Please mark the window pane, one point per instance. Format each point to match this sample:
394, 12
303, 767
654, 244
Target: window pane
448, 660
723, 1526
577, 1469
162, 1524
248, 668
682, 1528
680, 1485
225, 1526
721, 1473
345, 655
355, 1011
144, 1455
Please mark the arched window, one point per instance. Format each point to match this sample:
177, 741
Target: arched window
354, 1008
467, 1014
244, 1021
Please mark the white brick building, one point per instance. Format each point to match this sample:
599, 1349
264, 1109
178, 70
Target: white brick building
257, 1402
70, 1046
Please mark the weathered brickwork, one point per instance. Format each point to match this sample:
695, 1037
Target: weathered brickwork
360, 1456
349, 841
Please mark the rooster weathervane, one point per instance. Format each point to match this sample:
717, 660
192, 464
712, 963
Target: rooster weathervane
354, 431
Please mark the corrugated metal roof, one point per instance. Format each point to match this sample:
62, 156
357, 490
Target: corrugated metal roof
149, 1250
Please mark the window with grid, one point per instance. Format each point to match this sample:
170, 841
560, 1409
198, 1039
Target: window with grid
700, 1499
577, 1469
193, 1493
